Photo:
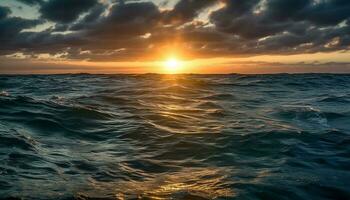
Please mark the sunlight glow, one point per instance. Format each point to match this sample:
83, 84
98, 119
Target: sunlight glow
173, 65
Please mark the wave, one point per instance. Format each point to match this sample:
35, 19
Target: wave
12, 138
335, 99
304, 116
4, 93
174, 136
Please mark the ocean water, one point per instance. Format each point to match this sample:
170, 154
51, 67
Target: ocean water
175, 136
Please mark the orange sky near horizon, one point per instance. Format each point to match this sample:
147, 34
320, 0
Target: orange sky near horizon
300, 63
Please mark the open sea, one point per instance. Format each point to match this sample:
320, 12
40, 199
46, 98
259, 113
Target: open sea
175, 136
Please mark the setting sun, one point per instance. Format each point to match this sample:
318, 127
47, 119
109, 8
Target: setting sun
172, 65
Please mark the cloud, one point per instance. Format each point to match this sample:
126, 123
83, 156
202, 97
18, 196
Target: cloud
31, 2
255, 19
92, 30
186, 10
65, 11
4, 12
10, 29
288, 26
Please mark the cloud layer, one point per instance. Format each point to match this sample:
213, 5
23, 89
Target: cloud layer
128, 30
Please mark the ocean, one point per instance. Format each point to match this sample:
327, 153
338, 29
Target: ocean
175, 136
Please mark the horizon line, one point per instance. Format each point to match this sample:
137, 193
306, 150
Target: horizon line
86, 73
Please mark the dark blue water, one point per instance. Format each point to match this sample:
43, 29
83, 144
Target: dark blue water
175, 136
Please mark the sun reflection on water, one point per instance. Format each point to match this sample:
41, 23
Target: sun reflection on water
177, 108
191, 183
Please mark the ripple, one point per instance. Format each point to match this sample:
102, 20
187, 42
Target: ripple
305, 116
192, 183
14, 139
335, 99
4, 94
174, 136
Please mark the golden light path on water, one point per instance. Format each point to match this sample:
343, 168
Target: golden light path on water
175, 111
191, 183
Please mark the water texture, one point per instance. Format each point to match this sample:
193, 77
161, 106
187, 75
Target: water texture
175, 136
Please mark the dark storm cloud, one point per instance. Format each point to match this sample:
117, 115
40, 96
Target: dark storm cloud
116, 36
91, 18
65, 11
186, 10
327, 13
10, 28
31, 2
4, 12
254, 19
132, 29
124, 19
131, 18
285, 26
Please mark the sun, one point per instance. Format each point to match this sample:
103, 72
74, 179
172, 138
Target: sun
172, 65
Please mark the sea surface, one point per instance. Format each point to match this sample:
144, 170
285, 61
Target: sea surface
175, 136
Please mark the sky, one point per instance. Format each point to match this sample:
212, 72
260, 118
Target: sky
200, 36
